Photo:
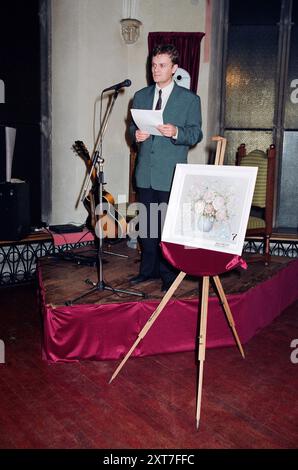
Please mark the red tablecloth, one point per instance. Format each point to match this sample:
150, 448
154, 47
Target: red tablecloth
199, 262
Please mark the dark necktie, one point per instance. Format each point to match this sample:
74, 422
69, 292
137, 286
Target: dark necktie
159, 101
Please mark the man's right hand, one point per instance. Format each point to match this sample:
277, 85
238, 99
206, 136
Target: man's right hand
141, 136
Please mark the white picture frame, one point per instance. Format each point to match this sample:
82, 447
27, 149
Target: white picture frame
209, 207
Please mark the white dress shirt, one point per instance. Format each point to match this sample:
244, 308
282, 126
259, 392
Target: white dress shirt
165, 94
166, 91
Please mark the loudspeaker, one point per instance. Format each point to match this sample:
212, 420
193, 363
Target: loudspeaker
14, 211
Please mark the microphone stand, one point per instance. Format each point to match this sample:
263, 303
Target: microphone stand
97, 159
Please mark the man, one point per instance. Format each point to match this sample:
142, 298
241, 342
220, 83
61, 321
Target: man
158, 155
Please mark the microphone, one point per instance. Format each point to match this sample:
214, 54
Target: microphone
118, 85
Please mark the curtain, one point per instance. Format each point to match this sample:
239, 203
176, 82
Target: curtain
188, 45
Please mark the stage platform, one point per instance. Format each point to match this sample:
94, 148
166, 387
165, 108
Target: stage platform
103, 325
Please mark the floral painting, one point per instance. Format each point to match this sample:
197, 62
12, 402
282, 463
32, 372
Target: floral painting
209, 207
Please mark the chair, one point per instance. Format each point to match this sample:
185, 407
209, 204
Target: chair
261, 215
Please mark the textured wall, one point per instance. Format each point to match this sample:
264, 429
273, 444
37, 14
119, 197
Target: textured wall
88, 54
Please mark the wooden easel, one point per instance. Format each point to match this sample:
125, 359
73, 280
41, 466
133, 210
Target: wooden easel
219, 158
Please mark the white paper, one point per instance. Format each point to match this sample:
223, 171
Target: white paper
147, 120
10, 137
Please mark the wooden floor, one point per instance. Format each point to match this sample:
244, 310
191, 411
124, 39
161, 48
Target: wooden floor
246, 404
64, 279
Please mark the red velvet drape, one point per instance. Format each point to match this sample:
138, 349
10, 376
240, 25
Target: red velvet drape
188, 45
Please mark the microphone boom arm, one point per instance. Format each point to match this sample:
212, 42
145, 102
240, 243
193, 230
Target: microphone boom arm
95, 156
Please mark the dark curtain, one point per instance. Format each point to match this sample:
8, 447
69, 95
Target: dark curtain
188, 45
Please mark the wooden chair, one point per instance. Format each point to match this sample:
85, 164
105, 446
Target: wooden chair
261, 215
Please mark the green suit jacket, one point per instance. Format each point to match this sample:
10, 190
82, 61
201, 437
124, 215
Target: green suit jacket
157, 157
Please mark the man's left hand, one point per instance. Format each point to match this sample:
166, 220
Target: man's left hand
167, 130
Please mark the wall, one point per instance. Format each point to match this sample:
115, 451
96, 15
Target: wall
88, 55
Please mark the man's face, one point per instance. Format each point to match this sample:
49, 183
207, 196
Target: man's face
163, 69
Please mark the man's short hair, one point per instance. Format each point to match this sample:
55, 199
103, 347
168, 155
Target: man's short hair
167, 49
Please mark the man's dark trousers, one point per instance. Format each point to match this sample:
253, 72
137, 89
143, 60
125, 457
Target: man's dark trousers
152, 262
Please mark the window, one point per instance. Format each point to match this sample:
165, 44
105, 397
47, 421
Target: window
260, 91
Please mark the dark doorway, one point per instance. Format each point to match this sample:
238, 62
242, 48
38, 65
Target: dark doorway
21, 108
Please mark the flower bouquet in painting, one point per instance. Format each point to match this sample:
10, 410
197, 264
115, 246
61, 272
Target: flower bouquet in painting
212, 206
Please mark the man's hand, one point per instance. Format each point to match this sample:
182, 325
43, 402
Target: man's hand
167, 130
141, 136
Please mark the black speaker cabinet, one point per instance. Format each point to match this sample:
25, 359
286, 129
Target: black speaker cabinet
14, 211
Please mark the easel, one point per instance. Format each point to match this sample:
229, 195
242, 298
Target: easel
219, 158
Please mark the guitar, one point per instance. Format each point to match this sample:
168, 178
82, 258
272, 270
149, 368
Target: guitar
112, 223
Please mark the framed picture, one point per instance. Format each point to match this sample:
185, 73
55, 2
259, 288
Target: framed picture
209, 207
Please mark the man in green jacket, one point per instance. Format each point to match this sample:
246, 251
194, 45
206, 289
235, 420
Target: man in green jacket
158, 155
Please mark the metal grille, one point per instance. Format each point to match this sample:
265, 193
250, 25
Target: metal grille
250, 76
280, 248
18, 262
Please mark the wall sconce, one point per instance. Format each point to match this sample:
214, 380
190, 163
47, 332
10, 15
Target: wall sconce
130, 29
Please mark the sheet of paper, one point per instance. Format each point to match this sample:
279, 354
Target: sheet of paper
10, 136
147, 120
